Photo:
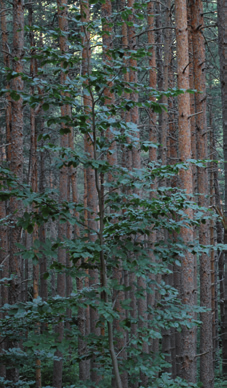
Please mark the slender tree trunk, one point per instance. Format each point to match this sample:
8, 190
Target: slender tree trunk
92, 200
153, 137
223, 259
206, 346
172, 159
5, 156
42, 231
139, 308
194, 139
118, 273
17, 142
166, 342
63, 184
167, 55
34, 186
159, 61
4, 252
4, 266
16, 164
188, 335
159, 69
82, 317
6, 58
212, 242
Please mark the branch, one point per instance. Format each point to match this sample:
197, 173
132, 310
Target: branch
154, 29
4, 145
195, 114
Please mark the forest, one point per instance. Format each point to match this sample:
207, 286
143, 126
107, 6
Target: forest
113, 194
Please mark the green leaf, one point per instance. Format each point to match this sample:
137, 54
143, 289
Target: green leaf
14, 95
45, 106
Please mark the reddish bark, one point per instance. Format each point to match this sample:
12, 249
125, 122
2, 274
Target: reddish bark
42, 232
16, 141
63, 184
167, 55
34, 186
127, 153
153, 137
16, 163
206, 359
6, 58
214, 291
4, 263
4, 259
221, 8
187, 274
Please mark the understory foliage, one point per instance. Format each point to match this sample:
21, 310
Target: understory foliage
133, 205
125, 245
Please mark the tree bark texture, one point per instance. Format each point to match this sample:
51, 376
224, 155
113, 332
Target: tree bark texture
222, 40
63, 194
16, 163
6, 58
187, 269
153, 137
206, 345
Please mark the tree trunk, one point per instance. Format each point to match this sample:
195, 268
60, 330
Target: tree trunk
92, 199
221, 7
188, 335
42, 231
153, 137
16, 163
206, 346
118, 273
214, 305
63, 184
4, 266
139, 308
166, 339
6, 58
34, 186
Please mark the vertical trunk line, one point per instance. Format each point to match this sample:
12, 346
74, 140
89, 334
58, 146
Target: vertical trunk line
187, 274
92, 200
206, 343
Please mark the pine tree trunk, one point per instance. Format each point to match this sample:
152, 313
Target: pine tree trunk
194, 139
5, 156
42, 231
63, 184
34, 186
166, 339
221, 7
172, 159
16, 163
4, 266
187, 275
153, 137
214, 293
206, 346
6, 58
